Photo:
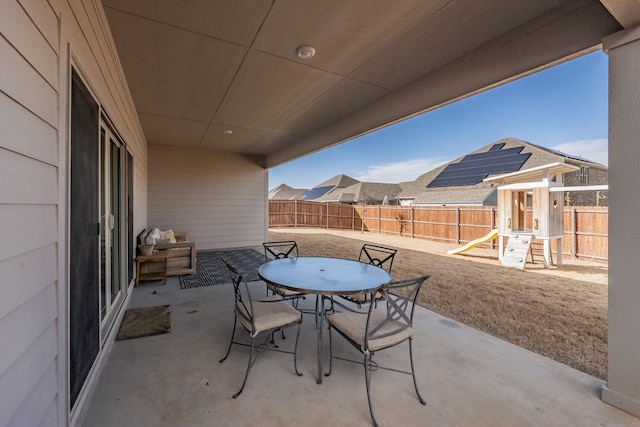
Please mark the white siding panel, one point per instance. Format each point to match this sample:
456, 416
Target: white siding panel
15, 170
50, 418
21, 82
23, 132
26, 227
24, 325
27, 39
217, 197
45, 19
17, 383
36, 408
26, 275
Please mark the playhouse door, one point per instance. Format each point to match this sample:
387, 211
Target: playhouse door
518, 207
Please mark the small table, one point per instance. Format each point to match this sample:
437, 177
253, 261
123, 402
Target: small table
141, 268
323, 276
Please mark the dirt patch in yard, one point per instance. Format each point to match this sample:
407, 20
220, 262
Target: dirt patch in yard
559, 312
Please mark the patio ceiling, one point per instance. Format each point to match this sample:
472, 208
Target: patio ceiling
196, 69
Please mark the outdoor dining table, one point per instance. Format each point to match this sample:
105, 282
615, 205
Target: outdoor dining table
323, 276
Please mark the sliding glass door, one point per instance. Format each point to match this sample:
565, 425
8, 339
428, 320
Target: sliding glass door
113, 239
101, 245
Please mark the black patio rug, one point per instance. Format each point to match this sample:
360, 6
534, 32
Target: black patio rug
210, 269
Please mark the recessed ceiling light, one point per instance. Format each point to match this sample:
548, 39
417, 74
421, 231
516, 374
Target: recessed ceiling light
227, 132
305, 52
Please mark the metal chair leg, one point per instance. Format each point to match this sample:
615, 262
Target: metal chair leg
233, 333
295, 351
330, 353
413, 373
246, 375
367, 375
273, 341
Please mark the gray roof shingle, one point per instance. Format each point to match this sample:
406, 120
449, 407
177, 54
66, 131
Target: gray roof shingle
284, 192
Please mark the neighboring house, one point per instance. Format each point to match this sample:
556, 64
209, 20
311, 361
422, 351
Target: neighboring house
369, 193
338, 181
284, 192
461, 181
341, 189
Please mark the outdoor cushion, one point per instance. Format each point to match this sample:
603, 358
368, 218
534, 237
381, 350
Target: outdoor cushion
169, 235
268, 315
353, 325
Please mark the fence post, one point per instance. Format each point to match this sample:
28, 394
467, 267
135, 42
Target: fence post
353, 218
458, 225
411, 221
326, 206
574, 247
295, 213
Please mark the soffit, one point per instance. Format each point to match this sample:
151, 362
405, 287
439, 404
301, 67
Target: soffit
626, 12
200, 67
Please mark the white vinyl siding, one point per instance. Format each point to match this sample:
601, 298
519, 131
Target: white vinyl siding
217, 197
25, 133
29, 379
37, 41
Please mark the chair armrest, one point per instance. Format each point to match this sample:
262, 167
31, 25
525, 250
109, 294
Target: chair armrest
352, 310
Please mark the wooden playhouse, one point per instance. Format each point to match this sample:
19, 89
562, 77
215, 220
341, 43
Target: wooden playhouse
530, 206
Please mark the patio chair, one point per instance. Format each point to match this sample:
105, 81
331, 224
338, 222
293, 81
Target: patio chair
280, 250
375, 330
380, 256
257, 316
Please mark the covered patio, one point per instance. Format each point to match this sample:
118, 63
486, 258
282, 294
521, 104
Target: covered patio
466, 376
117, 116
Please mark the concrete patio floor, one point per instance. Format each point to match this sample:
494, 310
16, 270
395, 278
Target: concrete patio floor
467, 377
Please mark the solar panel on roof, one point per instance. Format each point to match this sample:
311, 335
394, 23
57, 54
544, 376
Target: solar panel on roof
473, 168
314, 193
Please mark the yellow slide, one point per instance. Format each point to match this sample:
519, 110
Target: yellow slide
474, 243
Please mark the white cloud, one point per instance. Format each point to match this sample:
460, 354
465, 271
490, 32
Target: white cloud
400, 171
596, 150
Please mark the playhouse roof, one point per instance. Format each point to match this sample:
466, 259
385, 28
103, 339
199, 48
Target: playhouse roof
532, 174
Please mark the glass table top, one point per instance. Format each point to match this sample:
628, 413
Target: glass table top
323, 275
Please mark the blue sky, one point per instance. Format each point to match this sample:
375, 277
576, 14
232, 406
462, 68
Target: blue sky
563, 108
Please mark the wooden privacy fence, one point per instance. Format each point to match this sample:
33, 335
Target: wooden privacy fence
586, 228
